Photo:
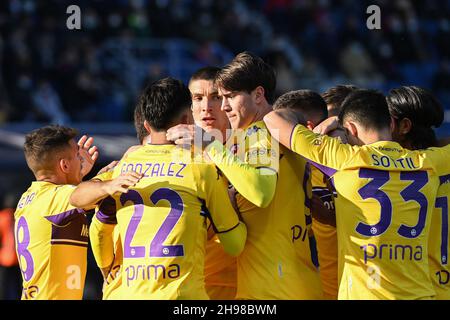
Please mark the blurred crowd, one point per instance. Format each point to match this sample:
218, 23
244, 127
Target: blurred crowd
52, 74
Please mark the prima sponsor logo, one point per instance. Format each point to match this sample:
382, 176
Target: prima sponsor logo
151, 272
391, 252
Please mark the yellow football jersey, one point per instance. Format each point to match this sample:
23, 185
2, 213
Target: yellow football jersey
51, 243
162, 222
385, 198
326, 238
113, 283
107, 250
220, 271
107, 254
279, 259
439, 242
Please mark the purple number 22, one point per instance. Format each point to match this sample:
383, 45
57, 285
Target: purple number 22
157, 246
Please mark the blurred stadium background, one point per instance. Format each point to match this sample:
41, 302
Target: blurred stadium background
90, 78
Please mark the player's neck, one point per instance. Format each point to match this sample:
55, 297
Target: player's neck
52, 177
374, 137
263, 109
158, 138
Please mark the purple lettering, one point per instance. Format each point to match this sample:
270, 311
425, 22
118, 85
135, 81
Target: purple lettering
138, 165
169, 170
442, 203
381, 250
372, 190
366, 255
157, 248
375, 159
175, 271
128, 250
385, 161
155, 169
183, 165
129, 167
401, 162
296, 232
411, 193
22, 249
128, 270
147, 166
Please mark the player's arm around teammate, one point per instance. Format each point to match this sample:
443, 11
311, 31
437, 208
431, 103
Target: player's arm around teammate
255, 184
89, 193
92, 194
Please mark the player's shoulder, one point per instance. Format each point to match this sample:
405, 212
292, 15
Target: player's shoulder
257, 129
257, 136
131, 150
57, 199
107, 175
206, 170
48, 197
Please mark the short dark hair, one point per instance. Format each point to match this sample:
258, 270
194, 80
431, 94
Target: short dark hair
205, 73
139, 118
368, 108
42, 145
310, 103
245, 73
422, 108
162, 102
334, 96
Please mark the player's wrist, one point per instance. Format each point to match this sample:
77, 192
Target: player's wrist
107, 188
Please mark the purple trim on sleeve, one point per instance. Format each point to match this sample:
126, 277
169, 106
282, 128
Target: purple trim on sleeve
63, 218
444, 179
324, 169
107, 211
290, 137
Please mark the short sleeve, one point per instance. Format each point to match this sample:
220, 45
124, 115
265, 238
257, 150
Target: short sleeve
60, 211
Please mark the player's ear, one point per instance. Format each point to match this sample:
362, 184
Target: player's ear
64, 165
258, 94
352, 128
147, 127
405, 126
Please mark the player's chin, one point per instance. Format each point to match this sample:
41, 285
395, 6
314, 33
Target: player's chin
234, 121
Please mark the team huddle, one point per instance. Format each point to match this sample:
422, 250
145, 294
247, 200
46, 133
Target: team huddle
232, 195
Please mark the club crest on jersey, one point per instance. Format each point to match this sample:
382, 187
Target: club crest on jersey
317, 141
252, 130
